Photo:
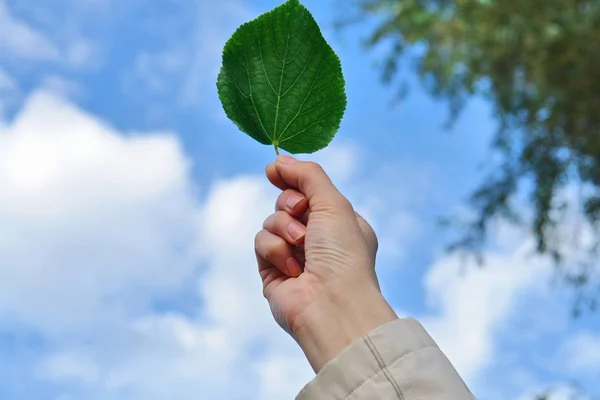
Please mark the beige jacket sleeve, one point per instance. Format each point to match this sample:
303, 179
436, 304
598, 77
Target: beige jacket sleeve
398, 360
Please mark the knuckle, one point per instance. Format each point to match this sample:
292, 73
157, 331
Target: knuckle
266, 245
314, 168
287, 193
258, 239
268, 221
270, 251
279, 219
280, 200
280, 216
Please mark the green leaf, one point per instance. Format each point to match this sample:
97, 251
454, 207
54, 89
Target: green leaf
281, 82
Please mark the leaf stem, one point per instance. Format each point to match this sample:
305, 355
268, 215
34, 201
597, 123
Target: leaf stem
276, 148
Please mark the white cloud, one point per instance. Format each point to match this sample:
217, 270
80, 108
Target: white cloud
487, 318
474, 308
95, 226
18, 39
175, 356
280, 376
473, 304
88, 218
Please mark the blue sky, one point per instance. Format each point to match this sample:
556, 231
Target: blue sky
128, 205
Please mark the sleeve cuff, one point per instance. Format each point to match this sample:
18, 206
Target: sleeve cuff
365, 358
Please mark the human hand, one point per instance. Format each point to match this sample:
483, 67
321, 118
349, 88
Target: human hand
316, 258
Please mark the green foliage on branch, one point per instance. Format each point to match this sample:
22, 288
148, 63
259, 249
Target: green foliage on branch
538, 62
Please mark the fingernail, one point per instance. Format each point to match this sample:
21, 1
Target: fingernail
296, 230
286, 160
293, 200
293, 267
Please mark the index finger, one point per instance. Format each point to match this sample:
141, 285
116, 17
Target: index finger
274, 177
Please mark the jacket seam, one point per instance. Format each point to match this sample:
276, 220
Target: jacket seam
384, 367
401, 357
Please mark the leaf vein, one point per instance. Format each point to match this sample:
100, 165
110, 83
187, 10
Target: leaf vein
299, 48
274, 43
238, 88
243, 113
251, 94
308, 127
299, 76
287, 43
318, 105
306, 98
262, 60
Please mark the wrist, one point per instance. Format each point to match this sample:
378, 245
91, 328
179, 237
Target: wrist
338, 318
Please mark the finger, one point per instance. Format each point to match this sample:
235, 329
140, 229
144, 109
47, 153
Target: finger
285, 226
270, 275
292, 202
313, 182
274, 177
275, 250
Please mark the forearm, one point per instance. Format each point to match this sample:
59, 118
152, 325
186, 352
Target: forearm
334, 322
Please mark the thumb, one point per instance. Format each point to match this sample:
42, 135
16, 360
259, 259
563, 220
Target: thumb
311, 180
